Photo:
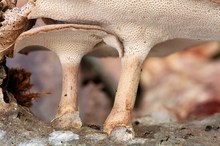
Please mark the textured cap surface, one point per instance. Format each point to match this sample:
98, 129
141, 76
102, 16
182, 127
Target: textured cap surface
140, 24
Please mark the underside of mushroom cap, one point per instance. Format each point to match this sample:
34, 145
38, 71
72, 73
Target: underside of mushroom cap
172, 46
66, 39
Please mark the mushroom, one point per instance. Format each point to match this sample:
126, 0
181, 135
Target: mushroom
70, 42
140, 24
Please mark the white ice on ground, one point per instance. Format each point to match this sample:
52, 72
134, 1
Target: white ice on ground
58, 137
2, 134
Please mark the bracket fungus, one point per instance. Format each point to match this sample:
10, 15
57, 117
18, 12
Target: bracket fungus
139, 24
70, 42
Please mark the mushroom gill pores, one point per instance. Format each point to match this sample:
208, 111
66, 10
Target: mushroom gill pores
140, 25
70, 42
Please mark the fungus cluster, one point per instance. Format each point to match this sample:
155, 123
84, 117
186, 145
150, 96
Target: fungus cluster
133, 28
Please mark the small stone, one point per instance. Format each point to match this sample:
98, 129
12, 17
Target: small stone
34, 142
67, 120
136, 123
2, 134
208, 128
122, 133
59, 137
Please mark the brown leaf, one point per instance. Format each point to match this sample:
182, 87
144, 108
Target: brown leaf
12, 23
19, 85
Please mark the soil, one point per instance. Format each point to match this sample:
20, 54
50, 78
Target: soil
18, 127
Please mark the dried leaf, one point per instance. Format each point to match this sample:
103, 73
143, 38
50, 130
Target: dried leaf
12, 23
18, 83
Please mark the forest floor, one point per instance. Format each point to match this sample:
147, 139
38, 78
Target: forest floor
18, 127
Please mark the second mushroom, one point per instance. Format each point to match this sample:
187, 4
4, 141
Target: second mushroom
70, 42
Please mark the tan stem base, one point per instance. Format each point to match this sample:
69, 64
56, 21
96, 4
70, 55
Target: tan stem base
69, 120
120, 115
122, 133
123, 119
67, 114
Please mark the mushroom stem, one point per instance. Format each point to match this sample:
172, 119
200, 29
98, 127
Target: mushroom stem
126, 94
68, 114
68, 102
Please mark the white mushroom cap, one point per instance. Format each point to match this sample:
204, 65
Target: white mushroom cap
69, 41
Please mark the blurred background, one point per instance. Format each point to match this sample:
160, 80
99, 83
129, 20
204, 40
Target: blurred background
182, 86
